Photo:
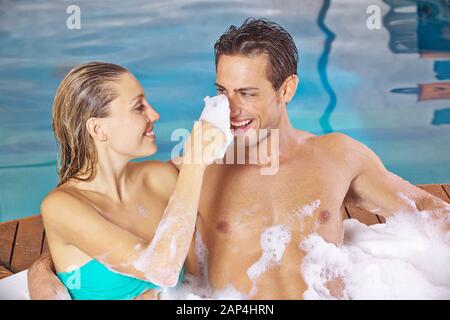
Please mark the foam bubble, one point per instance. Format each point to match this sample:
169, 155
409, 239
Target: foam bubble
273, 241
217, 112
402, 259
308, 210
143, 211
201, 253
193, 288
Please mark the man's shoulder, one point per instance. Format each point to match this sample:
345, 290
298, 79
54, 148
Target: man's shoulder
338, 146
352, 152
335, 139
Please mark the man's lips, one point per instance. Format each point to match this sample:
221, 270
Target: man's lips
241, 124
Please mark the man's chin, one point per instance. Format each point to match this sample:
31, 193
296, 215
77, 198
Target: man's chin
249, 138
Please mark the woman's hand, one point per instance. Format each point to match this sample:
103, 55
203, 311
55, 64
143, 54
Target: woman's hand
205, 144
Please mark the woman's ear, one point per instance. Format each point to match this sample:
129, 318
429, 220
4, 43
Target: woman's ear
95, 129
288, 88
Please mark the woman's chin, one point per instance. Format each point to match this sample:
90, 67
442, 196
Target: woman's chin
148, 151
151, 151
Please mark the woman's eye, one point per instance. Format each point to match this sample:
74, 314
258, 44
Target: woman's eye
140, 107
220, 90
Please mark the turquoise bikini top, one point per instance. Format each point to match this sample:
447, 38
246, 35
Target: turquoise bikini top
94, 281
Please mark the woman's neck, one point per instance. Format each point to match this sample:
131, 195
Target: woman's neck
111, 178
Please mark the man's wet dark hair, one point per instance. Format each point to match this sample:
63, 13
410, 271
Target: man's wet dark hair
259, 36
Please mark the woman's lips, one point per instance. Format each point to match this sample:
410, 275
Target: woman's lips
149, 133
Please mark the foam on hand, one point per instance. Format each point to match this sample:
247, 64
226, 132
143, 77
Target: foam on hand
217, 112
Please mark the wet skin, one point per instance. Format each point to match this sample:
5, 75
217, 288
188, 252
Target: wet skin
238, 203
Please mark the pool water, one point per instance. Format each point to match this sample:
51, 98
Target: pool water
387, 87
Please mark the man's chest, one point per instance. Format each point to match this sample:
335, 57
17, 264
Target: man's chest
239, 202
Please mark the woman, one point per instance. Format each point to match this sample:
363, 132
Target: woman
118, 229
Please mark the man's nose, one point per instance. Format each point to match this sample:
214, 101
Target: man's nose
235, 109
151, 114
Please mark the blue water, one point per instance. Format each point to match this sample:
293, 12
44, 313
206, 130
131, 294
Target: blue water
370, 84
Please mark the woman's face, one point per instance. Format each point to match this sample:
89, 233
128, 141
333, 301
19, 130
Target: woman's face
129, 128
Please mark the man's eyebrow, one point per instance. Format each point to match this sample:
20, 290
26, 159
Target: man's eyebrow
246, 89
139, 96
240, 89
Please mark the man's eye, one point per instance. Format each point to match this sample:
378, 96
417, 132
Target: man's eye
219, 90
246, 94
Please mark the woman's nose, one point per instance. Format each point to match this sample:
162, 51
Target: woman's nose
152, 114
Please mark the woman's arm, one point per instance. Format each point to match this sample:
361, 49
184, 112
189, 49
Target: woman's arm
160, 261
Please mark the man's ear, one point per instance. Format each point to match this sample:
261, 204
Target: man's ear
95, 129
288, 88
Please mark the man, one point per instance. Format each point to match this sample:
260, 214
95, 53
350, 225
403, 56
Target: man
251, 225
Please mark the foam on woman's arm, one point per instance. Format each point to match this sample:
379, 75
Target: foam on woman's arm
162, 260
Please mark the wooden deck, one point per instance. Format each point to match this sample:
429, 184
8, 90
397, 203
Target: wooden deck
22, 241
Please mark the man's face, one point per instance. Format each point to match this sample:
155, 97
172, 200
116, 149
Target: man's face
254, 103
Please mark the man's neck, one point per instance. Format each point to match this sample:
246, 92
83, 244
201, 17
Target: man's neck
279, 142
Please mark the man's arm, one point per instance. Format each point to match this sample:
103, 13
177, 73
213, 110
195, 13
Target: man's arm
43, 284
376, 189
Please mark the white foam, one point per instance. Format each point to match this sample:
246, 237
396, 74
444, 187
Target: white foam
143, 211
304, 211
273, 241
197, 287
308, 210
201, 253
402, 259
157, 266
173, 248
193, 288
143, 262
406, 258
217, 112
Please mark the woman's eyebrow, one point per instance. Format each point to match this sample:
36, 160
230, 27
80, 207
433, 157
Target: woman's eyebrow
139, 96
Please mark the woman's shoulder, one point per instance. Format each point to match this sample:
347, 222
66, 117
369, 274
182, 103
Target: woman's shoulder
63, 202
158, 175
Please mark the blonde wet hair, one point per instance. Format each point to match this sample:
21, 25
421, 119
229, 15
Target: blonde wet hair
85, 92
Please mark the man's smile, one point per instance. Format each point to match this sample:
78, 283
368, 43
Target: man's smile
239, 124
